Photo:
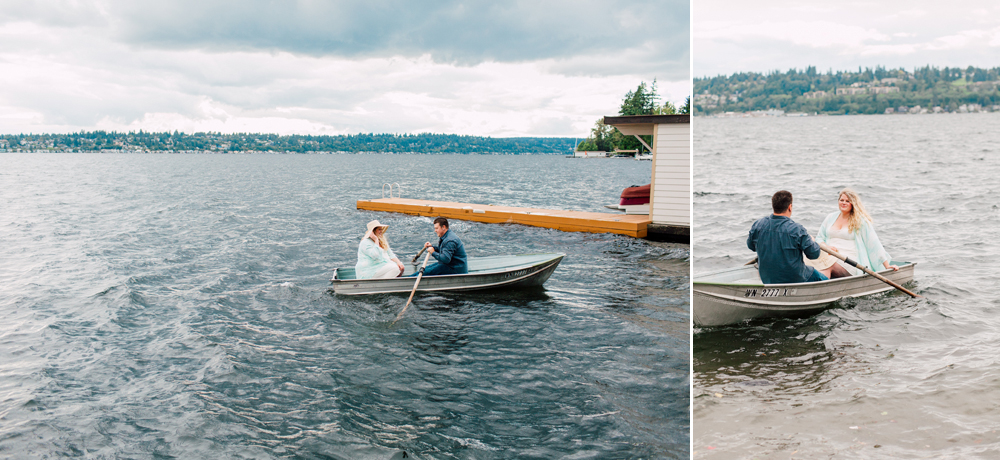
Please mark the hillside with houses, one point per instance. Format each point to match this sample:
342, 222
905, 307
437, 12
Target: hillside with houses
866, 91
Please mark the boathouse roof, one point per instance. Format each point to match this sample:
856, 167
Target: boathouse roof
643, 124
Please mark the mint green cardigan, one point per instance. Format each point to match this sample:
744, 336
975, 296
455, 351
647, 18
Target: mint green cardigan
870, 251
370, 258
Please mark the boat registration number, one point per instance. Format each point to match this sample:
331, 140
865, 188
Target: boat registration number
769, 292
516, 274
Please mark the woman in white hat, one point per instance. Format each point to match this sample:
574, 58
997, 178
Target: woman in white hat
375, 259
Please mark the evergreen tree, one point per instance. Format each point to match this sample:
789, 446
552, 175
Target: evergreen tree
642, 101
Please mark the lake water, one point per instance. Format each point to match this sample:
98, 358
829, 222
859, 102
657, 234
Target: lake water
159, 306
878, 377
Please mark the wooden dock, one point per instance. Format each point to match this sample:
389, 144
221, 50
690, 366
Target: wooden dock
567, 221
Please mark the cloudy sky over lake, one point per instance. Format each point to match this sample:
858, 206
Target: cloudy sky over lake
768, 35
520, 68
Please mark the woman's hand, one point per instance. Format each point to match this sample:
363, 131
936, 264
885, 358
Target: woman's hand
894, 268
834, 248
398, 265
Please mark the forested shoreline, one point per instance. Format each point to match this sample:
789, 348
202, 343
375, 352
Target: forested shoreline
143, 141
867, 91
644, 100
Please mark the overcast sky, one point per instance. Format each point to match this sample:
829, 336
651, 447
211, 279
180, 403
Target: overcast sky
509, 68
766, 35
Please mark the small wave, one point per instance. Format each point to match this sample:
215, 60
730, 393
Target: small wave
469, 442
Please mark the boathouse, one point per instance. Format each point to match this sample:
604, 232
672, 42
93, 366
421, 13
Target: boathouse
670, 192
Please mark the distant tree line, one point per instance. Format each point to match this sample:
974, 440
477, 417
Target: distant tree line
867, 91
254, 142
642, 101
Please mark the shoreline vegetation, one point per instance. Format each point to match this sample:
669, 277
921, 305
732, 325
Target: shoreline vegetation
865, 92
643, 101
214, 142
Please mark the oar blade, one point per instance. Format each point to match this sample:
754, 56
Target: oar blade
414, 291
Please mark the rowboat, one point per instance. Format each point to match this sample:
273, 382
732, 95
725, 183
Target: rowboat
735, 295
492, 272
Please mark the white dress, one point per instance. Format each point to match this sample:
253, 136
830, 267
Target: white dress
843, 240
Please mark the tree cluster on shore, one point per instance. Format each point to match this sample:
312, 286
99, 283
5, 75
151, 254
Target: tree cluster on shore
254, 142
867, 91
642, 101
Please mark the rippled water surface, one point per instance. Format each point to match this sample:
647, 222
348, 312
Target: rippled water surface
879, 377
177, 306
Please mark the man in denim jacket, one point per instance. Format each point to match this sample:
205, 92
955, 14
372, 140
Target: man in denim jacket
449, 252
780, 242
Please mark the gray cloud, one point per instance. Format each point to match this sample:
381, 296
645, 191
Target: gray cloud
455, 32
459, 31
770, 35
552, 125
474, 68
61, 13
669, 61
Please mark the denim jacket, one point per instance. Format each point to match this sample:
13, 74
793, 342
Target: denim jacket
451, 252
779, 243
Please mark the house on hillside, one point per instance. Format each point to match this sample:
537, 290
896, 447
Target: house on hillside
851, 91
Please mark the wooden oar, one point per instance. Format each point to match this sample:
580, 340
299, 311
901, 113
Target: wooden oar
414, 291
418, 255
863, 268
751, 262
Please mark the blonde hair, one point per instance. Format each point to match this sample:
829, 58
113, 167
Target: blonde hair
858, 212
380, 239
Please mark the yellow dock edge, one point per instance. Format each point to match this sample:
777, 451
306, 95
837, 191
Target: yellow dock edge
567, 221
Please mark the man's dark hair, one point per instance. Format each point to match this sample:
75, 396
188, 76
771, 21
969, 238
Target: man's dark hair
780, 201
442, 222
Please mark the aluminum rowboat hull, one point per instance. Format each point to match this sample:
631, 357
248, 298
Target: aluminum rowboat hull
736, 295
484, 273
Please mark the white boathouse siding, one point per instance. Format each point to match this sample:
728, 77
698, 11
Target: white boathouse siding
670, 191
670, 197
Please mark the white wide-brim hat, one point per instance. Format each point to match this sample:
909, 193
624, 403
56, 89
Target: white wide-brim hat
373, 225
